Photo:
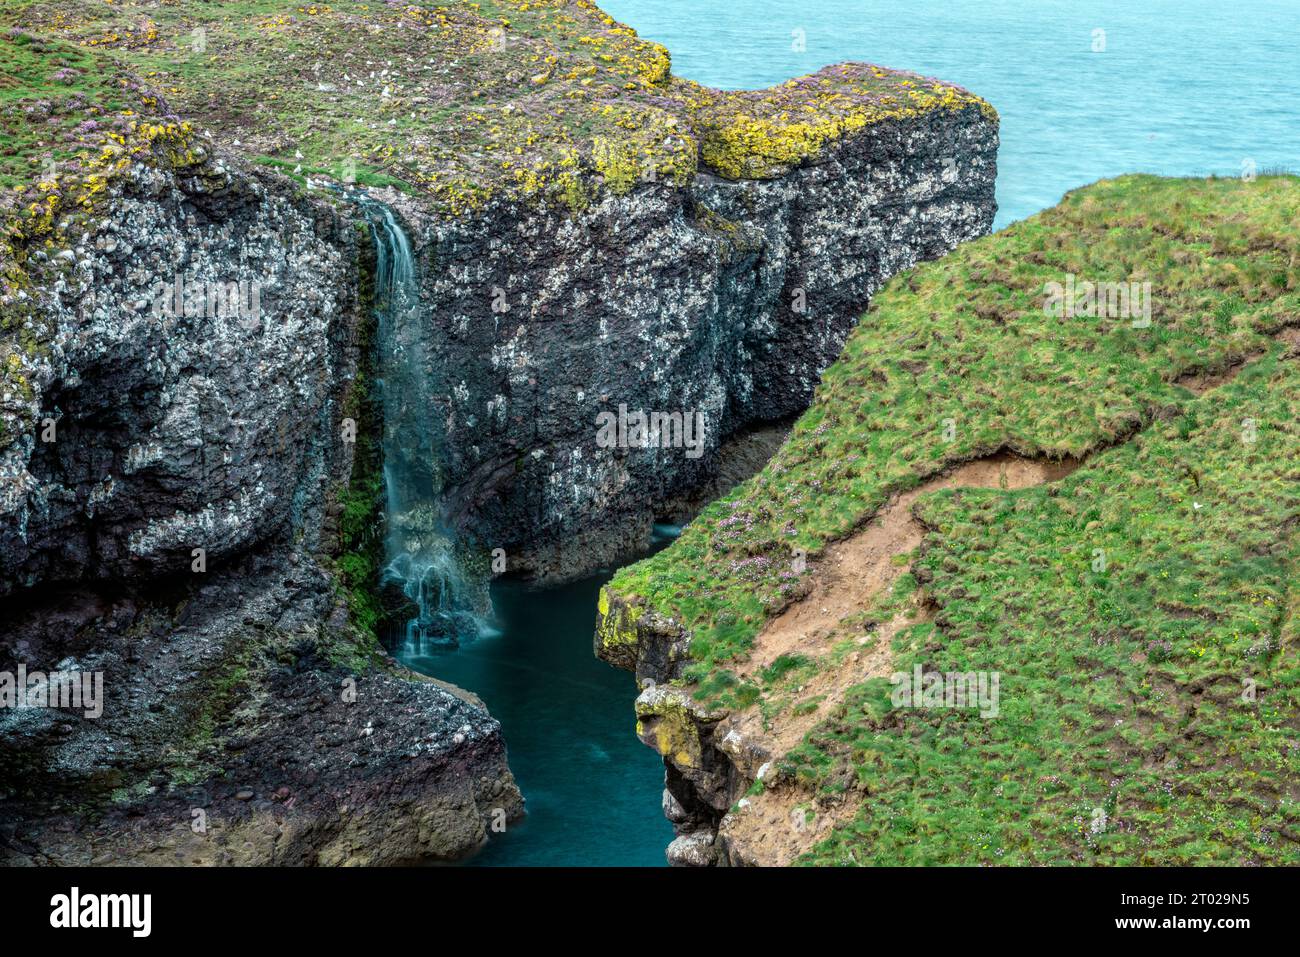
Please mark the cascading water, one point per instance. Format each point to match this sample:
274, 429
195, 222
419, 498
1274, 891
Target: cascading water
422, 557
562, 708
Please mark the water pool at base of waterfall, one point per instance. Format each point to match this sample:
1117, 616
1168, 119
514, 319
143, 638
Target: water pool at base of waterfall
592, 788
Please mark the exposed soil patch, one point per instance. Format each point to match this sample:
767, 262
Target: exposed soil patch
860, 567
784, 820
1200, 383
781, 823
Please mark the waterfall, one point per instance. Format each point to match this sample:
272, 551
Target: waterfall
421, 552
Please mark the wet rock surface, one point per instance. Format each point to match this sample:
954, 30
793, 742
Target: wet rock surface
230, 736
724, 299
244, 719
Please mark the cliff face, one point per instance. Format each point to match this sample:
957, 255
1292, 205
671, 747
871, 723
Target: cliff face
721, 301
174, 430
168, 503
179, 481
703, 779
597, 235
238, 727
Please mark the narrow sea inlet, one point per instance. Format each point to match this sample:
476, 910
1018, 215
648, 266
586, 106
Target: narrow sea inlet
1084, 91
959, 342
592, 789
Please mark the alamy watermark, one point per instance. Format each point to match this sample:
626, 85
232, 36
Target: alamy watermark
242, 299
71, 690
640, 430
75, 909
947, 689
1073, 299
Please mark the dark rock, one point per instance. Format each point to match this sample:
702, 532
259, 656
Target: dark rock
177, 433
723, 298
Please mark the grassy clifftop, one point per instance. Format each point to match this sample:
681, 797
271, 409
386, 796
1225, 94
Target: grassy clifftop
1139, 612
1148, 703
457, 100
549, 101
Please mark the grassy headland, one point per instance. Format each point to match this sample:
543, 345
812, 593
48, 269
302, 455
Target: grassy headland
457, 100
1139, 611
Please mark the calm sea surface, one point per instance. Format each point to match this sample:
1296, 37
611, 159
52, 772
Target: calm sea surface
1180, 88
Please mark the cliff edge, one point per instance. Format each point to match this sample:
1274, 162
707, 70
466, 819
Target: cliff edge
191, 498
1020, 586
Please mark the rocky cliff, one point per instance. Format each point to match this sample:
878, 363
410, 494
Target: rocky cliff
187, 433
172, 463
150, 431
595, 233
720, 301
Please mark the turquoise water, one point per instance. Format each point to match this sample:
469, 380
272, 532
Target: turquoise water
1189, 87
592, 788
1183, 87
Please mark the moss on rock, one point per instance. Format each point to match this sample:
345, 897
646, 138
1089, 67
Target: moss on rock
460, 101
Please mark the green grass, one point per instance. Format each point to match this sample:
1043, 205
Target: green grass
1148, 703
1125, 690
459, 100
361, 175
49, 89
957, 359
